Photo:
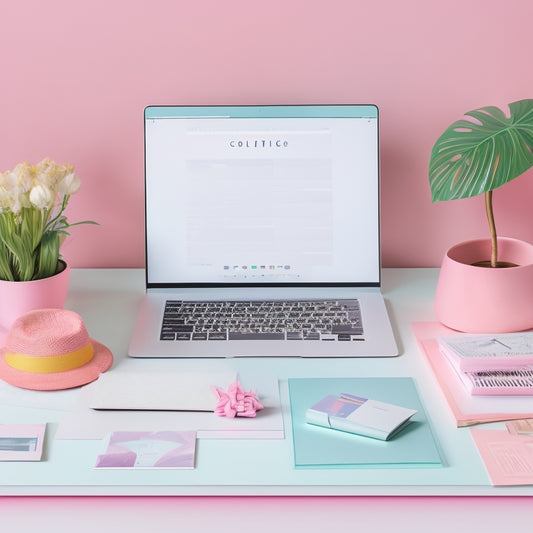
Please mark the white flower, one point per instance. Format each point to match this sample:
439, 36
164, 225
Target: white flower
5, 201
11, 200
22, 175
11, 180
14, 203
41, 197
70, 184
24, 198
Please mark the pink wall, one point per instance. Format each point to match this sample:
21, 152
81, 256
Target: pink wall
75, 77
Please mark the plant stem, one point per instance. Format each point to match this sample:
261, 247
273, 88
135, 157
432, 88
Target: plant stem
492, 226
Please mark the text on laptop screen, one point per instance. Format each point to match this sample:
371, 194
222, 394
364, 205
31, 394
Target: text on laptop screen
262, 194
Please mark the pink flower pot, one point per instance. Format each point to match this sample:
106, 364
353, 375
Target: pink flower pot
486, 300
18, 297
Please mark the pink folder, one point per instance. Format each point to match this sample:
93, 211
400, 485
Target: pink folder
467, 410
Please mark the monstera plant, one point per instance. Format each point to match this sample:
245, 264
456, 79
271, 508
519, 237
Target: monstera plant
481, 152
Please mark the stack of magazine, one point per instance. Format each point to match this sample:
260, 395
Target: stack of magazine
499, 364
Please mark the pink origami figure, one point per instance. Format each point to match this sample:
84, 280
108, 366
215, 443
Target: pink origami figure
236, 402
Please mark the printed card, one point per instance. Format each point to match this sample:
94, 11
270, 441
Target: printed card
21, 442
149, 449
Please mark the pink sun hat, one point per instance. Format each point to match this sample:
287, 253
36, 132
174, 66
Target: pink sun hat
50, 349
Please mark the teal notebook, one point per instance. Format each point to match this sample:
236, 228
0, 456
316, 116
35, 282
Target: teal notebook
320, 447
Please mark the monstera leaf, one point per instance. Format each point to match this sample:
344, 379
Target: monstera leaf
482, 151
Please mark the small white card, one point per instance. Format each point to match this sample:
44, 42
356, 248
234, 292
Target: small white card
358, 415
21, 442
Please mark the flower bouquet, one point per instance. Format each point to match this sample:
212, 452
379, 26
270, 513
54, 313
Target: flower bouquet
33, 199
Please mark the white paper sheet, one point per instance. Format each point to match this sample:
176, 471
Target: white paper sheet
86, 423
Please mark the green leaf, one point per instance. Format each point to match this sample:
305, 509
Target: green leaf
21, 256
6, 265
478, 154
48, 255
6, 272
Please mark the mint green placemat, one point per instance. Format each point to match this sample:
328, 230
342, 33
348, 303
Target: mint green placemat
318, 447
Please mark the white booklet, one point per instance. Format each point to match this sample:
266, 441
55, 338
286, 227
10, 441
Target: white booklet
361, 416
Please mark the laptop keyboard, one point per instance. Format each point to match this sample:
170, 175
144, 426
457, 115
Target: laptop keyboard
325, 320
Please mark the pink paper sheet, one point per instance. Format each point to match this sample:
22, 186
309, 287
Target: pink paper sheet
508, 458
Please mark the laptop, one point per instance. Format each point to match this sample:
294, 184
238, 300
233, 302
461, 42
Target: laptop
262, 233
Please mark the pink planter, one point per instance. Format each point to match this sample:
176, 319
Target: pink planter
486, 300
18, 297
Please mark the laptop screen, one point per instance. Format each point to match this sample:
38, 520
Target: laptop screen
261, 195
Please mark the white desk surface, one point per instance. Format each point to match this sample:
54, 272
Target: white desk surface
108, 300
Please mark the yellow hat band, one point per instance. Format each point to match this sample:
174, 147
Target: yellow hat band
50, 363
